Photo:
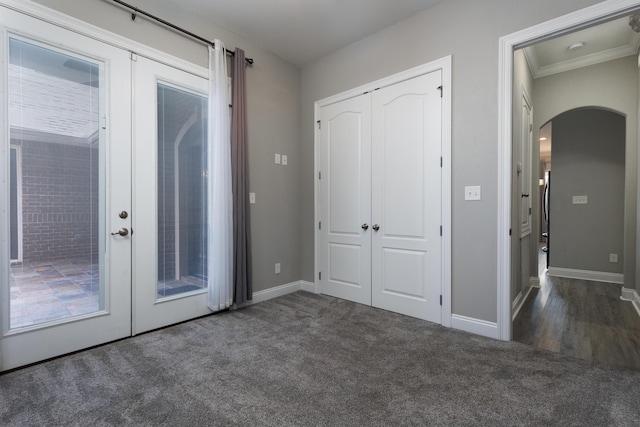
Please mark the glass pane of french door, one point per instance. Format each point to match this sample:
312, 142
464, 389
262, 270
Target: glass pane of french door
65, 279
182, 190
54, 106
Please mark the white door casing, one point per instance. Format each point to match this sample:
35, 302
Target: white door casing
344, 198
579, 19
407, 200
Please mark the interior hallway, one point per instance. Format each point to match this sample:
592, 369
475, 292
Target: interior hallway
580, 318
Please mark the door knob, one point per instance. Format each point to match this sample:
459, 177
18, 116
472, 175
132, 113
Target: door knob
122, 232
375, 227
364, 226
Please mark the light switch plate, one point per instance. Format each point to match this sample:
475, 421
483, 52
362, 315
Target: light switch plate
472, 192
277, 159
580, 200
252, 198
285, 160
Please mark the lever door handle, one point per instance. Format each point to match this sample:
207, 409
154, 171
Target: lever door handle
122, 232
365, 226
375, 227
525, 194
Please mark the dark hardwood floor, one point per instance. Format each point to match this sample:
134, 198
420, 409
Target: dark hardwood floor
582, 319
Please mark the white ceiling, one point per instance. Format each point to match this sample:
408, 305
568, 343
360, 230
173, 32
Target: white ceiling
299, 31
604, 42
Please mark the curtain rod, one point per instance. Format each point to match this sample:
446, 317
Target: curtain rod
137, 11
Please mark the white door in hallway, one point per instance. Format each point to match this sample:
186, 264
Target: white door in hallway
407, 200
380, 198
66, 275
345, 199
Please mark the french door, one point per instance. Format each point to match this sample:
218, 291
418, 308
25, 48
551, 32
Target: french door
103, 198
66, 173
170, 187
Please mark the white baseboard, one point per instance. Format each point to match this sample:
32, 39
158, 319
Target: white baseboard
309, 287
278, 291
534, 282
631, 295
595, 276
475, 326
517, 303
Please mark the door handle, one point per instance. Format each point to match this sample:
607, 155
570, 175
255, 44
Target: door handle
375, 227
122, 232
525, 194
365, 227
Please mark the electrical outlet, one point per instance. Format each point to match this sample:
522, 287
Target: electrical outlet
277, 268
278, 161
472, 192
252, 198
613, 258
285, 160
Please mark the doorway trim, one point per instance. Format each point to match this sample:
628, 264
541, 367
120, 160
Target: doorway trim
546, 30
443, 64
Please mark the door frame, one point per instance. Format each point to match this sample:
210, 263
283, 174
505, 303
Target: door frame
443, 64
507, 44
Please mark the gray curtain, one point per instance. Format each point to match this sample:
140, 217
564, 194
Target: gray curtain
243, 287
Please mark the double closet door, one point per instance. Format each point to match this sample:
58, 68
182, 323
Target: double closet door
103, 192
379, 198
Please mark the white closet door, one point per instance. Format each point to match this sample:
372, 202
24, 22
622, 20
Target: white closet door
407, 182
344, 152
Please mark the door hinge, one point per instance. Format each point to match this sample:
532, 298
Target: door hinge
529, 211
441, 161
319, 175
319, 225
440, 299
320, 275
319, 124
509, 232
441, 230
133, 56
440, 89
530, 127
104, 121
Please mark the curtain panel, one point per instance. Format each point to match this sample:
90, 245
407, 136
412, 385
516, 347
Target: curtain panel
219, 191
243, 287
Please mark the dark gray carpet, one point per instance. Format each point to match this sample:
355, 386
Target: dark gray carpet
309, 360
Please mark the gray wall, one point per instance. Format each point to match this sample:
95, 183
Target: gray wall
521, 269
273, 110
612, 85
469, 31
588, 159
